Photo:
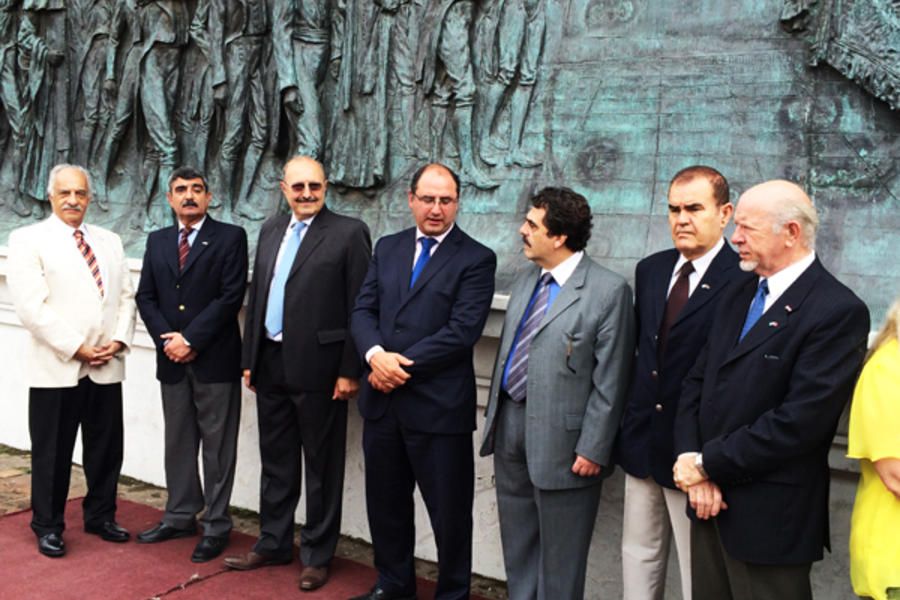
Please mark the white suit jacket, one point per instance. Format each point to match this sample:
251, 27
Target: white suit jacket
59, 303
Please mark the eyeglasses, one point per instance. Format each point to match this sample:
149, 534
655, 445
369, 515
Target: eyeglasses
430, 200
313, 186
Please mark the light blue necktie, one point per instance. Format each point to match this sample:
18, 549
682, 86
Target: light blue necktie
275, 306
756, 307
424, 255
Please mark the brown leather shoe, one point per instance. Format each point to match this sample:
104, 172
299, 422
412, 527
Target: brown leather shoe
252, 560
312, 578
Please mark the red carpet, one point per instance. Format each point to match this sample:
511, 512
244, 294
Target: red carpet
97, 570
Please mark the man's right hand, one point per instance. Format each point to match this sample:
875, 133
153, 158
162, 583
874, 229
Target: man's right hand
387, 369
91, 355
706, 499
247, 380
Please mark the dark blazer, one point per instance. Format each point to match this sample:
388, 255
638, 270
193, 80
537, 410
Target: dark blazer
325, 276
645, 446
201, 301
763, 412
436, 324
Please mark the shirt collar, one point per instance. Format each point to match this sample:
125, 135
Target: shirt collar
195, 227
438, 238
700, 264
294, 219
564, 270
62, 226
783, 279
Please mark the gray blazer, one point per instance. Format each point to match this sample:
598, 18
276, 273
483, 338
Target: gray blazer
578, 369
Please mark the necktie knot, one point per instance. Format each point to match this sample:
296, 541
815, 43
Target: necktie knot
686, 269
424, 256
79, 235
756, 307
547, 278
427, 244
763, 289
187, 231
299, 226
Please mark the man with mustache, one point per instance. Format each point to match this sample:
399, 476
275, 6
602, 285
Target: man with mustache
191, 290
557, 392
300, 360
71, 289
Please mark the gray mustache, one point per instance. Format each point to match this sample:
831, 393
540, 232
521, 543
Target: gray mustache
72, 207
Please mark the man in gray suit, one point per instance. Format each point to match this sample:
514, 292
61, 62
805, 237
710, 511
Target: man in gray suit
556, 396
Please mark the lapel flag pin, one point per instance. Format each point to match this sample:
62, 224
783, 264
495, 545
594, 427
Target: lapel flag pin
705, 286
205, 243
788, 308
773, 323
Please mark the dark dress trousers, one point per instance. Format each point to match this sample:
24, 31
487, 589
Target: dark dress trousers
201, 399
421, 433
763, 412
295, 379
645, 443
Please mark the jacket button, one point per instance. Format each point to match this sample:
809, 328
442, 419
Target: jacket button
177, 286
654, 374
658, 407
181, 307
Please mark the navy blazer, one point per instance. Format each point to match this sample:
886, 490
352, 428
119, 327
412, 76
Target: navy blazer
645, 445
325, 276
764, 410
435, 324
201, 301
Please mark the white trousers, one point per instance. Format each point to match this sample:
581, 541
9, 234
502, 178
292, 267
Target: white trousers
653, 516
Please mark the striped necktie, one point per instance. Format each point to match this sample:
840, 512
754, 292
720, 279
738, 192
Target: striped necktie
89, 258
183, 246
518, 370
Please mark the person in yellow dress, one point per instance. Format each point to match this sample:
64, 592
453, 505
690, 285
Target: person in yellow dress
874, 439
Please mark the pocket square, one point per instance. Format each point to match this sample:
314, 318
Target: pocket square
771, 357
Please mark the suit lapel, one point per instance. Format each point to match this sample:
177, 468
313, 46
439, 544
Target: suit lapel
204, 239
659, 289
712, 283
777, 318
568, 294
518, 302
169, 249
404, 263
267, 251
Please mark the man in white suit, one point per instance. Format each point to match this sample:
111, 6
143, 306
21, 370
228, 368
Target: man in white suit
556, 396
72, 291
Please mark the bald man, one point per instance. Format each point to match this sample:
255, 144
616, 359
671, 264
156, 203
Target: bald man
299, 358
759, 408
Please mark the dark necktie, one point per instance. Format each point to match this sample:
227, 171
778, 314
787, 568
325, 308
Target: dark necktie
89, 258
424, 256
756, 307
678, 297
183, 246
518, 362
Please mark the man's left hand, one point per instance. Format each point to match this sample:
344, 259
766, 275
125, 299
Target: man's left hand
685, 473
345, 388
176, 348
585, 467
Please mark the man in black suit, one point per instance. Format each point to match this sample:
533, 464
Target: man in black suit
676, 293
299, 358
420, 311
759, 408
191, 290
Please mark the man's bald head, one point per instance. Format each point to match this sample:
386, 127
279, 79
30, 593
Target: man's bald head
775, 226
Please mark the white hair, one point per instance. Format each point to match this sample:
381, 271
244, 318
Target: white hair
789, 209
55, 171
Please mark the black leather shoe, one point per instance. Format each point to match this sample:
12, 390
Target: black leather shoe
109, 531
52, 545
376, 593
208, 548
163, 532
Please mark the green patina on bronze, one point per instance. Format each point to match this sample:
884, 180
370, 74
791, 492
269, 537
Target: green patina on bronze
609, 97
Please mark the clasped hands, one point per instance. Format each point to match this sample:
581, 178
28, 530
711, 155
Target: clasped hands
387, 371
97, 356
704, 495
177, 349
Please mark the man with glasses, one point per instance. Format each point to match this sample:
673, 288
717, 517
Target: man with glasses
420, 311
299, 358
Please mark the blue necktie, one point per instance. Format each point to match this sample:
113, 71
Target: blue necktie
424, 255
518, 360
275, 305
756, 307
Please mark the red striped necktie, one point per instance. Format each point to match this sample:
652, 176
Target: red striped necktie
184, 247
89, 258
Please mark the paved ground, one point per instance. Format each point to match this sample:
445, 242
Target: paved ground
15, 491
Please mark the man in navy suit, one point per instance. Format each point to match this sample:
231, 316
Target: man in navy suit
420, 311
191, 290
759, 408
676, 293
